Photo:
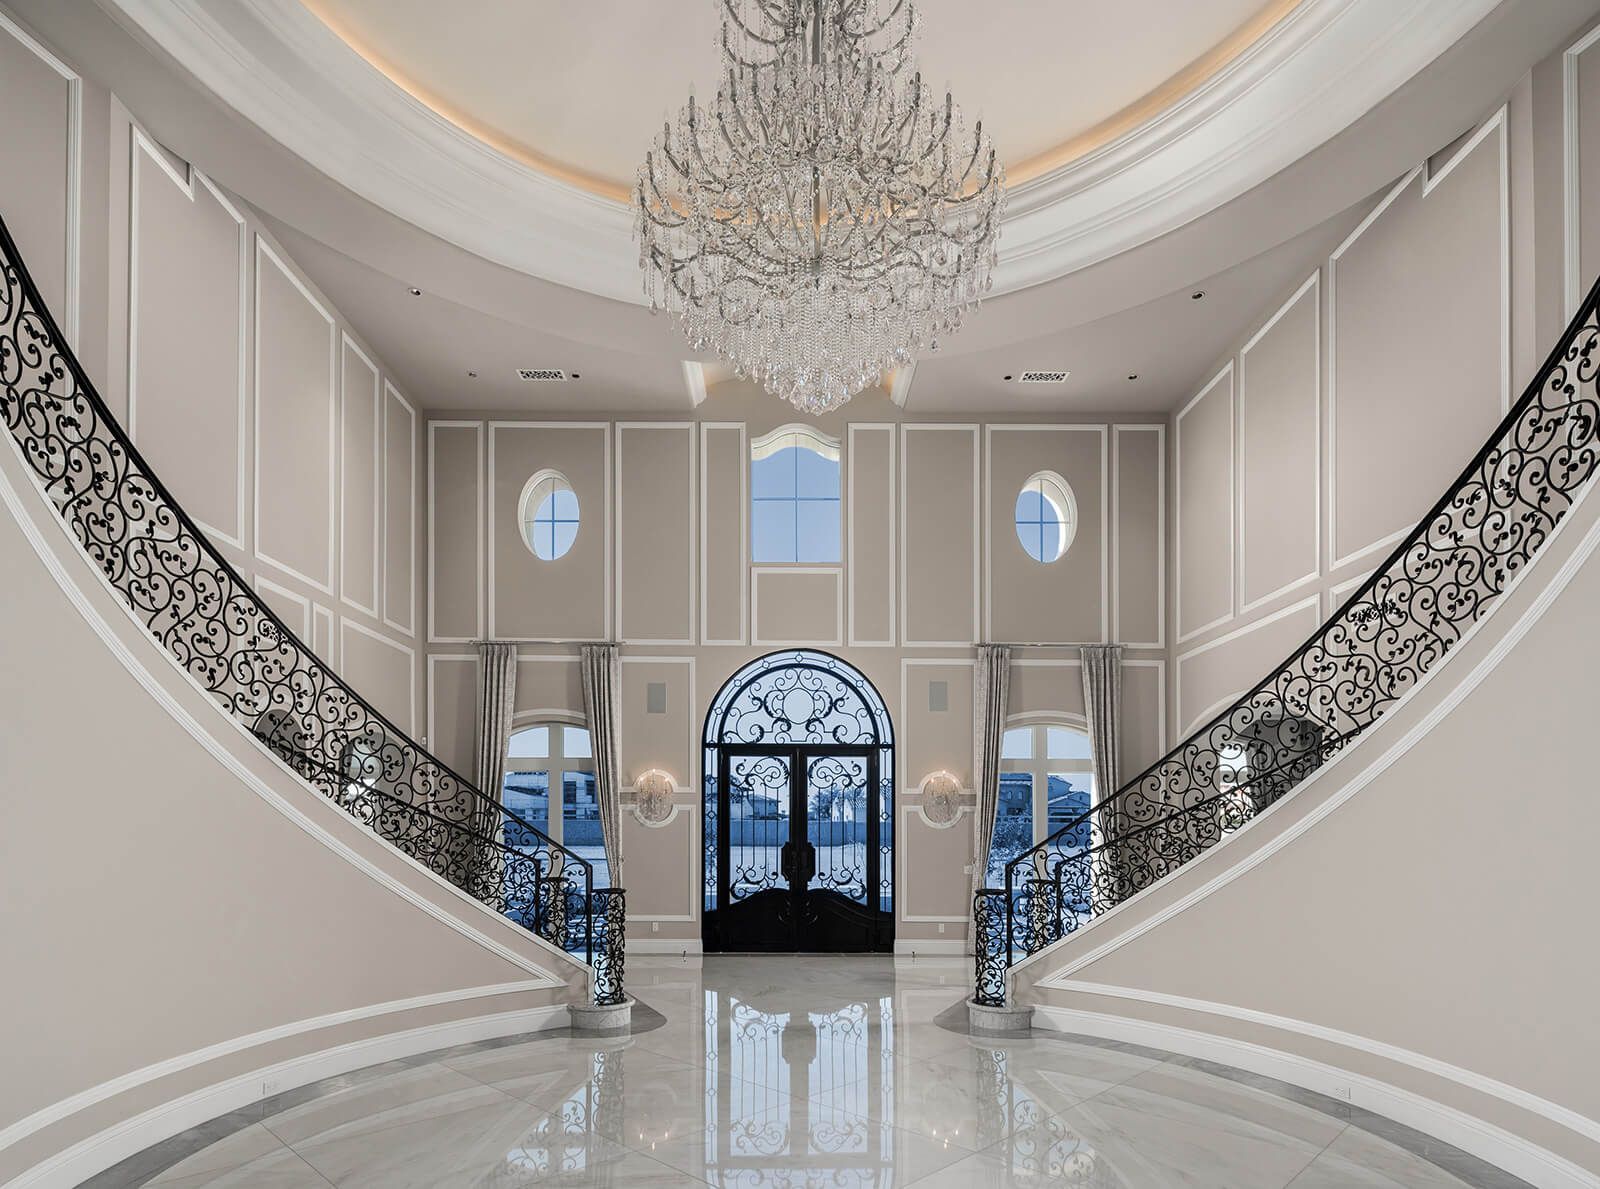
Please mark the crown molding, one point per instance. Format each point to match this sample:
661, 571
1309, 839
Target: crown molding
1315, 73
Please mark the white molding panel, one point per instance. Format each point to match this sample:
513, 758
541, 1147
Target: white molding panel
377, 480
707, 428
478, 525
759, 572
1312, 602
141, 143
265, 249
907, 428
851, 511
1227, 372
349, 625
409, 627
691, 544
1117, 430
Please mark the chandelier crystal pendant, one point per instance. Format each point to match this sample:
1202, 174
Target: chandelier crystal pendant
825, 218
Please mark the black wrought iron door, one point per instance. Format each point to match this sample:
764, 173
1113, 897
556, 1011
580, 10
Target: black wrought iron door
798, 853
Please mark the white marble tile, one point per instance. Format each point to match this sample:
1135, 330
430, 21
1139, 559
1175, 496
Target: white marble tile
281, 1169
241, 1148
1360, 1160
404, 1097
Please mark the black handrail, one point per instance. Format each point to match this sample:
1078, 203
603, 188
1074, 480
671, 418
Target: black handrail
1399, 623
199, 607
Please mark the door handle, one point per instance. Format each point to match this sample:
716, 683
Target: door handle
810, 861
786, 862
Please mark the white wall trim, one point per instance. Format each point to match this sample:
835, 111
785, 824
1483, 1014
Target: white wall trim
1160, 666
1425, 723
1117, 429
687, 639
759, 572
932, 946
117, 1142
1339, 591
433, 659
1571, 190
261, 583
664, 945
433, 524
851, 512
1431, 179
1106, 523
1226, 373
1312, 285
906, 429
706, 429
1490, 1143
142, 143
604, 427
909, 808
347, 624
349, 343
320, 615
409, 627
263, 248
1311, 601
72, 268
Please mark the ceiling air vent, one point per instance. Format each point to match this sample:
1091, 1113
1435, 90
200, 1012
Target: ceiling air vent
535, 375
1042, 377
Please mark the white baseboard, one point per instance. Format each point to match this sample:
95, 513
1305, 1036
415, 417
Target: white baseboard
676, 946
99, 1152
1499, 1147
929, 947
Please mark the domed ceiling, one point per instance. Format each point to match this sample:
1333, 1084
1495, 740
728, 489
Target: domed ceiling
580, 90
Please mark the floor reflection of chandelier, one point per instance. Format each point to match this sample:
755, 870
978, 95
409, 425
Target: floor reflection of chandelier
826, 217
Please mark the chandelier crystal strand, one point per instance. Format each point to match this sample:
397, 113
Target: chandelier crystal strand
825, 218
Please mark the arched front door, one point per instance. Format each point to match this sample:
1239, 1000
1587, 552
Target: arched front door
799, 809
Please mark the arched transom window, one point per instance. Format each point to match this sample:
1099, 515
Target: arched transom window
549, 784
1046, 781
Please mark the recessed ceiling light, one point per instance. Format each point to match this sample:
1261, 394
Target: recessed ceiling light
576, 376
472, 375
1005, 377
414, 291
1197, 295
1133, 375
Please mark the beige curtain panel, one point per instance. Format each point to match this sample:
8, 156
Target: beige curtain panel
991, 695
602, 683
1102, 706
497, 694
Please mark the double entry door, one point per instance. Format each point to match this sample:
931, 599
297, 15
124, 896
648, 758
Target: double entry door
797, 851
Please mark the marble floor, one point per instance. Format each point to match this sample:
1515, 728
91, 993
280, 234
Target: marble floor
801, 1071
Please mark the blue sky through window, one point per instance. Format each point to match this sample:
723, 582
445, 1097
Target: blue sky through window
794, 513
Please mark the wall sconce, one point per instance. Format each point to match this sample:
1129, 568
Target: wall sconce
941, 798
653, 792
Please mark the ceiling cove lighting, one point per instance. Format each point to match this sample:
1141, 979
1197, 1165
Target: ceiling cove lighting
826, 217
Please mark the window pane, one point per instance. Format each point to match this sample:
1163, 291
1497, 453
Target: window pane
1013, 825
530, 743
1066, 744
562, 534
1051, 539
564, 504
580, 821
527, 795
817, 531
1069, 797
773, 477
575, 744
772, 531
1017, 744
1030, 505
816, 477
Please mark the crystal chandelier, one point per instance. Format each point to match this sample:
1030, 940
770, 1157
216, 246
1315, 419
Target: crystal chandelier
825, 217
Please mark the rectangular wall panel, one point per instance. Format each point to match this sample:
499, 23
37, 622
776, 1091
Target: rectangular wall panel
455, 531
935, 740
939, 534
288, 605
399, 511
797, 605
1144, 720
1064, 601
724, 533
322, 641
1205, 498
556, 600
1280, 451
549, 684
40, 188
1046, 686
360, 482
1220, 669
381, 670
453, 708
662, 740
187, 265
1418, 327
1139, 544
870, 504
295, 360
656, 530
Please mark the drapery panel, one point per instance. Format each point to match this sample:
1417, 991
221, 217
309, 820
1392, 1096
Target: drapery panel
990, 695
602, 682
497, 694
1102, 706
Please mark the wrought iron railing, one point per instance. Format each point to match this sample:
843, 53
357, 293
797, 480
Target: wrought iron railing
214, 626
1404, 619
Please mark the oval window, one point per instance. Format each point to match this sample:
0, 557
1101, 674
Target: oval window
1047, 517
549, 515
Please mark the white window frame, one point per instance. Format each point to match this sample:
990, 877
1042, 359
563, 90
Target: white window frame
554, 764
1065, 503
772, 443
525, 513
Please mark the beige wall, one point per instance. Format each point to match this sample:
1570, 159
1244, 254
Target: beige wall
1346, 409
661, 555
177, 889
252, 397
